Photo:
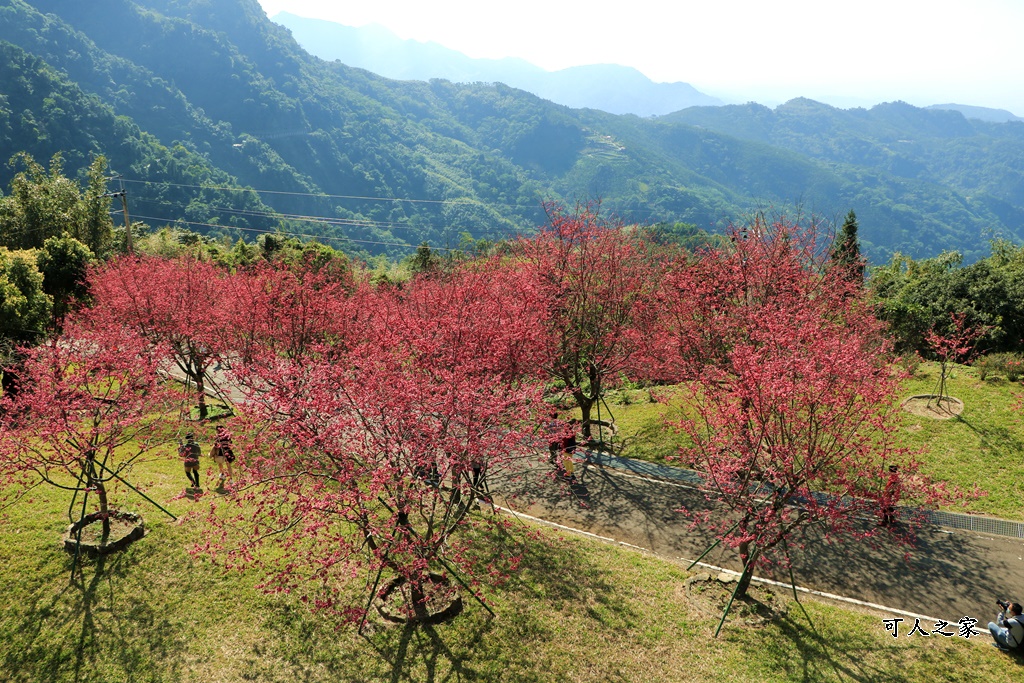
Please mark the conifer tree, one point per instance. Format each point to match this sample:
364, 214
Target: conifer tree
846, 250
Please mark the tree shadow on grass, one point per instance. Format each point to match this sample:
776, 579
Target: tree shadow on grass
90, 630
429, 654
553, 577
998, 439
806, 655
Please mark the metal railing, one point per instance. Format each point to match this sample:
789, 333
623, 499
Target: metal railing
942, 518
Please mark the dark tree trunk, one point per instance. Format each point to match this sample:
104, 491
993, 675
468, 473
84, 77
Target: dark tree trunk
101, 491
586, 404
201, 390
749, 557
419, 598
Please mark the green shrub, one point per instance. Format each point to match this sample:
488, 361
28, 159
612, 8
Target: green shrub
1010, 365
909, 362
983, 366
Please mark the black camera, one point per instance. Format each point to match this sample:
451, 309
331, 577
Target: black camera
1003, 603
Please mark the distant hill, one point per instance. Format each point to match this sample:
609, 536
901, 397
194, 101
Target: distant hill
982, 162
218, 120
980, 113
608, 87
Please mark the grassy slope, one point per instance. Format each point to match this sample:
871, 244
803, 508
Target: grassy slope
983, 447
575, 611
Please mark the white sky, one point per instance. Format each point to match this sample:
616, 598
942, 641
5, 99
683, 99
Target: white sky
843, 52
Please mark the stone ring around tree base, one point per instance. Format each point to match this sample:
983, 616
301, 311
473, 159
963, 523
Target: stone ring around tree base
125, 527
452, 610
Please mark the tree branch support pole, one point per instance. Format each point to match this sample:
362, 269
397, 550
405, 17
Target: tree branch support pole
792, 583
369, 603
711, 547
151, 501
464, 585
729, 605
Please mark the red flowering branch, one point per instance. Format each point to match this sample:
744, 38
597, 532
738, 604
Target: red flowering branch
177, 304
596, 283
368, 451
90, 406
958, 345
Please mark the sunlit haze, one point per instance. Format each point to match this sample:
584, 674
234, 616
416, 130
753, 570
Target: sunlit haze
843, 53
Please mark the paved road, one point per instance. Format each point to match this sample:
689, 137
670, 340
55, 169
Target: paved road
949, 574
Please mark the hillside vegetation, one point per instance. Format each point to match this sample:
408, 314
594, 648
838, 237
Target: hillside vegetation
193, 101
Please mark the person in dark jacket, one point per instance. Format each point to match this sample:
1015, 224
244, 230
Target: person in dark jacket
190, 452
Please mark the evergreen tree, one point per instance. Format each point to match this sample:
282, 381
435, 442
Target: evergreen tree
424, 260
846, 250
44, 204
64, 263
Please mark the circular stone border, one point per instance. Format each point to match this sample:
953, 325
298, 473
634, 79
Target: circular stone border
450, 612
956, 406
71, 545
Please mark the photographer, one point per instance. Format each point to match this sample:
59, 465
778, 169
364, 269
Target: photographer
1009, 631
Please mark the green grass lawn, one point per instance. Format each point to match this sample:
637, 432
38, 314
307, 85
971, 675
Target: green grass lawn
576, 610
640, 417
983, 447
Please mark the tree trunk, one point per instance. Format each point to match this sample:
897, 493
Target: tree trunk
101, 491
9, 384
95, 482
586, 404
419, 598
749, 558
201, 390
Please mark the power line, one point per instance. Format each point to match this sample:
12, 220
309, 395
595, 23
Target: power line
649, 212
321, 195
173, 221
333, 221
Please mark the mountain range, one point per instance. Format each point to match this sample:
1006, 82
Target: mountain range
218, 120
609, 87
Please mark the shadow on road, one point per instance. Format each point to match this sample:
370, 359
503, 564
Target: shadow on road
944, 575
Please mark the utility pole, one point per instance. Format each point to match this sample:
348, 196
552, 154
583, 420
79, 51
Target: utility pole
123, 194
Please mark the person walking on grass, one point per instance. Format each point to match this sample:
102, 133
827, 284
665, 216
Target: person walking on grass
223, 455
190, 452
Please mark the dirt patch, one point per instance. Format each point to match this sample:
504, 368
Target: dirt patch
931, 406
708, 594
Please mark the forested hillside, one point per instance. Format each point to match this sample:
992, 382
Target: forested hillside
194, 100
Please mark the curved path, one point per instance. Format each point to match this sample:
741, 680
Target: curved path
948, 575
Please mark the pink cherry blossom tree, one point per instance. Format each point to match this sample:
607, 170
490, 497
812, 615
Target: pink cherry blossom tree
596, 281
177, 304
367, 453
957, 345
790, 414
91, 406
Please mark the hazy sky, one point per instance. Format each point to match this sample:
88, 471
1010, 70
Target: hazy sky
842, 52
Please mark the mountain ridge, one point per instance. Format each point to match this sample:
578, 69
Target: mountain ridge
219, 100
612, 88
